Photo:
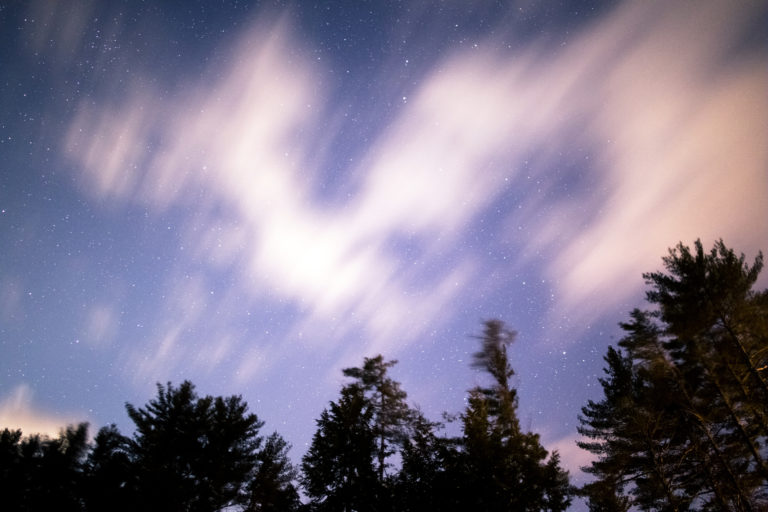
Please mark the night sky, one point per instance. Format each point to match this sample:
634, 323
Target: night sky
253, 196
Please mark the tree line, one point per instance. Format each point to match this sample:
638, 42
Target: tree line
682, 426
193, 453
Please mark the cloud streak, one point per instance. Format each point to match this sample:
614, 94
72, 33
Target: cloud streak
678, 130
17, 411
242, 151
674, 140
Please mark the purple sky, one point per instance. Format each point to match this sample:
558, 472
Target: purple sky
254, 196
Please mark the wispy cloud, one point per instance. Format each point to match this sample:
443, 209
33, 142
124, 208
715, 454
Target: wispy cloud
66, 24
572, 457
18, 411
241, 149
678, 132
661, 124
102, 325
674, 135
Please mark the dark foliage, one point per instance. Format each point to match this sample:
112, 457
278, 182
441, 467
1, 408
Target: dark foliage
427, 478
192, 453
338, 470
504, 468
682, 424
111, 479
371, 452
272, 488
493, 466
41, 473
188, 454
391, 415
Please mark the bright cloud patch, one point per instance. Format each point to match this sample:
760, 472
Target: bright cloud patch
17, 411
672, 133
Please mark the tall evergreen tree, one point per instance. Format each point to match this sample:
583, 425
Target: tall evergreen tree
338, 470
193, 454
715, 329
640, 439
505, 468
429, 475
272, 486
682, 423
391, 414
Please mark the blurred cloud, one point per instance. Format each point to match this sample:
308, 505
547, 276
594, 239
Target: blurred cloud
670, 121
245, 143
111, 144
674, 132
59, 27
678, 130
11, 290
188, 306
572, 457
101, 325
17, 411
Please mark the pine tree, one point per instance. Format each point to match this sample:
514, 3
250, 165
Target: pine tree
639, 437
272, 486
715, 329
505, 468
338, 470
391, 414
682, 423
193, 453
428, 478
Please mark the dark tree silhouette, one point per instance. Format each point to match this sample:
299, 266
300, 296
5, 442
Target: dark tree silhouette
110, 474
640, 445
41, 473
429, 474
504, 467
272, 487
338, 470
493, 466
683, 420
391, 414
192, 453
12, 474
188, 453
